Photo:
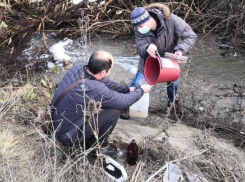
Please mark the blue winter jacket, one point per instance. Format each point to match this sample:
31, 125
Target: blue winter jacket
68, 118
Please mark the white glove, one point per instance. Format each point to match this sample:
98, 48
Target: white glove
152, 50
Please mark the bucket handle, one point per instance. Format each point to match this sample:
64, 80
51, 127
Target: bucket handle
158, 55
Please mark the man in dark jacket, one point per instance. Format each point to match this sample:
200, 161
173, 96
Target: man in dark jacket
156, 29
96, 101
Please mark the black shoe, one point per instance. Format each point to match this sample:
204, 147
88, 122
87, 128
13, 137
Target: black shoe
92, 156
124, 114
110, 151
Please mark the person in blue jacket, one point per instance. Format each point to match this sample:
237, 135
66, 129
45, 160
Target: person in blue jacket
98, 90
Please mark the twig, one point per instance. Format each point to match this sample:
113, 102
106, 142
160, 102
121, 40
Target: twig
188, 10
214, 28
135, 171
232, 173
221, 171
177, 160
137, 176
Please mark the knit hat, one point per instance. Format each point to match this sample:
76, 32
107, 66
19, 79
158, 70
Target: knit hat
139, 16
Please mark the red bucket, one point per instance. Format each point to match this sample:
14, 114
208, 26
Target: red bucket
159, 70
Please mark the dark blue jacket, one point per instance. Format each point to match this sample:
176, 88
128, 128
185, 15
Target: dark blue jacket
68, 118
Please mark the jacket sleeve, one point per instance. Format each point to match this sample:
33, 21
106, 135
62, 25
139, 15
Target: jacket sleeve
110, 98
185, 33
115, 86
115, 100
142, 42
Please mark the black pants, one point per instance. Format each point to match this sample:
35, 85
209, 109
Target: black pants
107, 121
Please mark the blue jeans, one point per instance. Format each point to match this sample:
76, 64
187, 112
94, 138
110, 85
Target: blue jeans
172, 87
135, 82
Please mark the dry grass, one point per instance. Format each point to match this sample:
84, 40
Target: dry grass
29, 155
14, 157
26, 154
10, 146
222, 161
16, 100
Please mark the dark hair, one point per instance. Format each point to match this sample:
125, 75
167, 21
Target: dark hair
96, 64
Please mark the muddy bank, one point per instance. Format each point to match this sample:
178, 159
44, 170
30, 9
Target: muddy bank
203, 84
210, 88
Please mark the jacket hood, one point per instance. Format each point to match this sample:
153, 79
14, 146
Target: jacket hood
164, 8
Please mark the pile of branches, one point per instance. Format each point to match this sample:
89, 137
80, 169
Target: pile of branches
224, 18
20, 19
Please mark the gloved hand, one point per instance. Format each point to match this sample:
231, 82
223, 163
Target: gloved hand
152, 50
179, 53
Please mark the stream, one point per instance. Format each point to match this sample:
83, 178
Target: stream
212, 85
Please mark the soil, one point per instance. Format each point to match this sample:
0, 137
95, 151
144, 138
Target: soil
211, 92
212, 86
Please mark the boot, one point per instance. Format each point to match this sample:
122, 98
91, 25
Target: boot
125, 114
109, 150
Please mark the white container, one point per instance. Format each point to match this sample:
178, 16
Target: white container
140, 108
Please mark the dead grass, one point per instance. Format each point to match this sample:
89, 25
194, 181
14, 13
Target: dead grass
222, 162
29, 155
14, 157
10, 146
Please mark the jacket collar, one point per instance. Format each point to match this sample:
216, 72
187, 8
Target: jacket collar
159, 15
160, 7
161, 11
87, 74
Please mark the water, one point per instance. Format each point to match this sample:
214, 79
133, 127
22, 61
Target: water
138, 114
208, 61
212, 81
140, 108
206, 58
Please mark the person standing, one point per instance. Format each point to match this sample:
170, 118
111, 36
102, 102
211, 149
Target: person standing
157, 29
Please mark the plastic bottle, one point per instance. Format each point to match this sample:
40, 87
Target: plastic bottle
140, 108
132, 154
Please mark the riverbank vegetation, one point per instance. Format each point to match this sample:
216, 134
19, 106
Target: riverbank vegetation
21, 19
27, 154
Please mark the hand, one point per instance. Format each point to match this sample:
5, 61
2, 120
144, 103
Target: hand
178, 53
146, 88
132, 88
152, 50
